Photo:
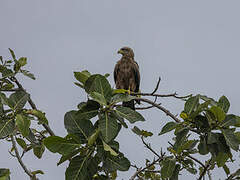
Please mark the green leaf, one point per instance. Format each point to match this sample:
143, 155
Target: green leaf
168, 127
92, 139
230, 138
77, 169
137, 131
212, 138
108, 126
82, 76
222, 158
202, 146
38, 150
67, 156
5, 100
176, 172
99, 98
129, 114
230, 120
60, 145
21, 143
98, 83
7, 73
88, 110
180, 139
76, 124
19, 99
39, 114
168, 167
224, 103
121, 98
22, 61
113, 163
191, 104
7, 127
205, 98
226, 169
28, 74
218, 113
4, 174
143, 133
188, 145
12, 54
23, 123
108, 148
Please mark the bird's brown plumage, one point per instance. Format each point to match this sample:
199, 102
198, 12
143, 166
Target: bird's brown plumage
126, 74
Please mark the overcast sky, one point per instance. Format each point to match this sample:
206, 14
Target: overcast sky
193, 45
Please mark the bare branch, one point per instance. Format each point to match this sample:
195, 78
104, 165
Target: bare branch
167, 112
33, 105
28, 172
156, 88
149, 147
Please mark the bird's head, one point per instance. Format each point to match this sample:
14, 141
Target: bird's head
126, 52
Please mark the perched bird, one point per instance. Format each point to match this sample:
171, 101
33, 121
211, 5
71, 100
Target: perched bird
126, 74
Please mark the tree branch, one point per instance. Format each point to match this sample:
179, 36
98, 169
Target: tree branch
205, 170
28, 172
49, 130
167, 112
143, 169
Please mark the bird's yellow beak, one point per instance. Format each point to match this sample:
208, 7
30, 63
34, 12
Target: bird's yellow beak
120, 51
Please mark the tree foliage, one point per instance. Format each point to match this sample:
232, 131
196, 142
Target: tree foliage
90, 148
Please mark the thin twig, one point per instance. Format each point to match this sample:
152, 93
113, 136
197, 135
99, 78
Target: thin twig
157, 86
28, 172
199, 162
205, 170
149, 147
167, 112
143, 169
147, 107
50, 131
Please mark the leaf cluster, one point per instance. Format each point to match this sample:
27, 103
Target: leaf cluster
91, 146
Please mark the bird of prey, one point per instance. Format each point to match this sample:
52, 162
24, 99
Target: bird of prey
126, 74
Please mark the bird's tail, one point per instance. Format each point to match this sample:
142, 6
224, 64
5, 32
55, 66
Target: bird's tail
129, 104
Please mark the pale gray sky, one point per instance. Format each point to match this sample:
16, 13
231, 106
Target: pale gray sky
193, 45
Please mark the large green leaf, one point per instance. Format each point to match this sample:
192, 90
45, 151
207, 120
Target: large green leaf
98, 83
180, 139
230, 120
5, 100
67, 156
191, 104
88, 110
77, 169
224, 103
23, 123
168, 127
21, 143
108, 126
19, 99
113, 163
108, 148
76, 124
230, 138
222, 158
99, 98
6, 127
129, 114
81, 168
4, 174
168, 167
218, 113
60, 145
